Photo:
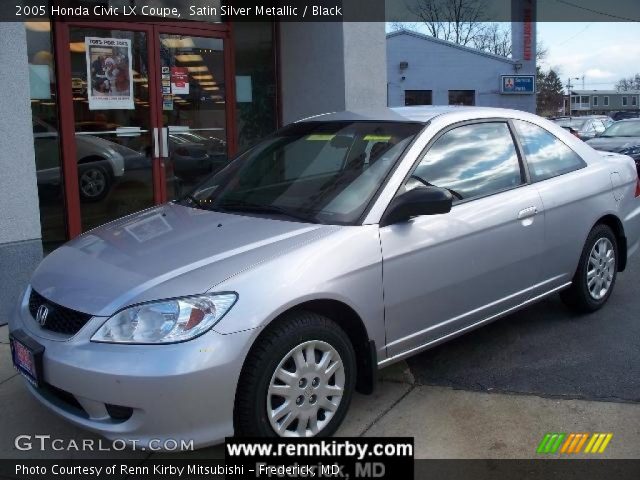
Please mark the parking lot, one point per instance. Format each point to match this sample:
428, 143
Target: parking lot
492, 393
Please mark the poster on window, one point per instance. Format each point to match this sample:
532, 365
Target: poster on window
179, 80
109, 73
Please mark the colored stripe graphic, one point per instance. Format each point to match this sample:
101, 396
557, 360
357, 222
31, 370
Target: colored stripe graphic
598, 442
573, 443
550, 443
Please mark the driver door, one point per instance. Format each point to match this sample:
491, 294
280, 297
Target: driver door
445, 273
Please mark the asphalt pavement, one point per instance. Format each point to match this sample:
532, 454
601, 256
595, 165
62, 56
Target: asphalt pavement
549, 351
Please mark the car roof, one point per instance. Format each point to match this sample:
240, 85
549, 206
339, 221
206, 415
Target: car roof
419, 114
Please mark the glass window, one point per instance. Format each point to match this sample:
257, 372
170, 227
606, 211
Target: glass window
256, 99
624, 101
584, 100
623, 129
471, 161
595, 101
319, 172
418, 97
634, 100
547, 156
44, 111
606, 101
462, 97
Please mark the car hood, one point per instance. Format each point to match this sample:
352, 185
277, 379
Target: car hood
613, 144
167, 251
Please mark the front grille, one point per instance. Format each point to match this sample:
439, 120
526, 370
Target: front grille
58, 319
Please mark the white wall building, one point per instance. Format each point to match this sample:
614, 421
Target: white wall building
423, 70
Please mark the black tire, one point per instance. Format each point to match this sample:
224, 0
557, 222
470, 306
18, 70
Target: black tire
250, 412
98, 173
578, 296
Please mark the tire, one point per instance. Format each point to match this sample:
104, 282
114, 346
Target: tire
260, 392
94, 182
597, 271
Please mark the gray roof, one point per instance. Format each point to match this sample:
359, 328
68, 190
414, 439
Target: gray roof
420, 114
446, 43
605, 92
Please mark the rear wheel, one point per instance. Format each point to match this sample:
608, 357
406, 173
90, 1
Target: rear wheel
297, 380
94, 182
596, 275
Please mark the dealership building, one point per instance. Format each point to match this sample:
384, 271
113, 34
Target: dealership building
423, 70
192, 95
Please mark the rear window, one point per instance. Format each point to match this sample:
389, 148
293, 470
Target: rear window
546, 155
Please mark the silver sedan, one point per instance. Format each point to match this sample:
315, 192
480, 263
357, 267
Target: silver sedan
261, 301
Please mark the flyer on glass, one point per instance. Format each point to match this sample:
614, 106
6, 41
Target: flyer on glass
109, 73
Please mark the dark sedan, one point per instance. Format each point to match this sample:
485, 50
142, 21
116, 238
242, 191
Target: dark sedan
621, 137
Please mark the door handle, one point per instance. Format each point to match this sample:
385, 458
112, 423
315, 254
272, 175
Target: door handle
165, 142
156, 146
527, 213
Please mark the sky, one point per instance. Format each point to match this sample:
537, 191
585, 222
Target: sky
603, 52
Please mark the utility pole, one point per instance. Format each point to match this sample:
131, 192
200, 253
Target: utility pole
569, 87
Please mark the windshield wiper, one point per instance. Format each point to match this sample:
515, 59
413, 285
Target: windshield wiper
254, 207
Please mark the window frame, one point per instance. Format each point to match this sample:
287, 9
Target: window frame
524, 155
625, 101
524, 170
594, 101
605, 101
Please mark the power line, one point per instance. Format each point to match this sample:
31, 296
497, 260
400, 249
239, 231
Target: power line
574, 36
611, 15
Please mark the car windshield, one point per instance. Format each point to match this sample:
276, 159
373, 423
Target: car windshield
574, 123
320, 172
623, 129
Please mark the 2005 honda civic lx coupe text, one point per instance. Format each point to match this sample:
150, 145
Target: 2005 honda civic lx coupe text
259, 302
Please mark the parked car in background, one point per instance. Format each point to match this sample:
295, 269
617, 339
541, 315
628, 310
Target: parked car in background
100, 161
621, 137
625, 114
193, 154
585, 127
257, 304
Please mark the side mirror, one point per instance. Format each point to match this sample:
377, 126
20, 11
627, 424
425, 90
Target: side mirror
416, 202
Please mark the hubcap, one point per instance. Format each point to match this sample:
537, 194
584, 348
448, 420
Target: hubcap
92, 182
305, 390
601, 268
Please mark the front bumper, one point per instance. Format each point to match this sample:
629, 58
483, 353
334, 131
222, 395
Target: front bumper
140, 393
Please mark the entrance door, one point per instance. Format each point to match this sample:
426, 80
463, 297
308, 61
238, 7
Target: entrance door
194, 114
145, 110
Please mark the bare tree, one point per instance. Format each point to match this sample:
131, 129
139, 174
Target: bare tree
458, 21
631, 83
494, 38
463, 22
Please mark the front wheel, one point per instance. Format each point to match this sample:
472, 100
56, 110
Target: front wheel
596, 275
297, 380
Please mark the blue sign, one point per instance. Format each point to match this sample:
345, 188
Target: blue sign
519, 84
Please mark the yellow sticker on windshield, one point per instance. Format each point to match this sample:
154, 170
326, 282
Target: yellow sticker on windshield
377, 138
323, 137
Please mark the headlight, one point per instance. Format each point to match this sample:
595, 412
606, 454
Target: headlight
166, 321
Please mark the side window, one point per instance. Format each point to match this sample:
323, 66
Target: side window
471, 161
547, 156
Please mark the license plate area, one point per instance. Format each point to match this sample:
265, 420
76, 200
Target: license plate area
26, 354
